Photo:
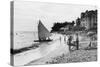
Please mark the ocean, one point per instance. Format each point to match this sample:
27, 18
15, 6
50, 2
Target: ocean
24, 39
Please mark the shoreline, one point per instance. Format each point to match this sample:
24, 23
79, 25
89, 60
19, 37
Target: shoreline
85, 53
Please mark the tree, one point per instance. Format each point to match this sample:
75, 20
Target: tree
73, 22
78, 22
57, 26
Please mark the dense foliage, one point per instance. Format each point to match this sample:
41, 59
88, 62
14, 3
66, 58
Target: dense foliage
57, 26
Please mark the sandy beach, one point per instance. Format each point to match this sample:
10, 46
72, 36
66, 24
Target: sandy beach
57, 51
45, 50
75, 56
84, 54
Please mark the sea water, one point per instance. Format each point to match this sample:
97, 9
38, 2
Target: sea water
24, 39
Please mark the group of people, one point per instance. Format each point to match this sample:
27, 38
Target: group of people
70, 42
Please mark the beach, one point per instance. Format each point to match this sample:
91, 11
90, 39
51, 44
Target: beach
84, 54
56, 51
45, 50
75, 56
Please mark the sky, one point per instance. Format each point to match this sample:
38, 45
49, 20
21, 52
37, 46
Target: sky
27, 14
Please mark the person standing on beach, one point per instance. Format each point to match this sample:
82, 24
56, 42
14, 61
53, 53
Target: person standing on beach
65, 39
60, 39
69, 42
77, 42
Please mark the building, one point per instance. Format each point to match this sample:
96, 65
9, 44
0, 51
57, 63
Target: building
89, 19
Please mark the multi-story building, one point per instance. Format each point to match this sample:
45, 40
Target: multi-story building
89, 19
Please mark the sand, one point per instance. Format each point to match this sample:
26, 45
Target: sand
56, 52
81, 55
75, 56
52, 49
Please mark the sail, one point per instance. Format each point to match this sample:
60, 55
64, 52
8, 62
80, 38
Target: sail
43, 33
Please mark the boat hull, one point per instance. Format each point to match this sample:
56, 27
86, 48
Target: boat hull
42, 40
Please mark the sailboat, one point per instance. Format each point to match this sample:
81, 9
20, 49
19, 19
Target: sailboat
43, 33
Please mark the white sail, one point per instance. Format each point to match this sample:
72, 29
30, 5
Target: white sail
43, 33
